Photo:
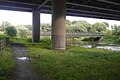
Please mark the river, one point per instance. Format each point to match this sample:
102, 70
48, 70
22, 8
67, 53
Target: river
112, 47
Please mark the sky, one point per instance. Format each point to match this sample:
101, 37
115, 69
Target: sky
21, 18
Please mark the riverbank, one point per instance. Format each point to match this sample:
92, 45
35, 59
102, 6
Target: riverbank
76, 63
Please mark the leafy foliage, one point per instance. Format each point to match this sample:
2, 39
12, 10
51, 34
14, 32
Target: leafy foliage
83, 26
78, 26
28, 27
100, 27
112, 36
45, 27
23, 33
11, 31
4, 25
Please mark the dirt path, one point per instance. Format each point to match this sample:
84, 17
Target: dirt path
23, 70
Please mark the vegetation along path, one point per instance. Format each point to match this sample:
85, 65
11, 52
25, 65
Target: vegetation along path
23, 70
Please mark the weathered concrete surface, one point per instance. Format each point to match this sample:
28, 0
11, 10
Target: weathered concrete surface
58, 24
36, 26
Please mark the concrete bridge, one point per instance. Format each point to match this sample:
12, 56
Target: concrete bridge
105, 9
80, 34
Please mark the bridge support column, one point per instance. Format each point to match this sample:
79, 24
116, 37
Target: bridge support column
35, 25
58, 24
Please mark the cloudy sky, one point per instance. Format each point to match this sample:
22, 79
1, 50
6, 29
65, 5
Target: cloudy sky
21, 18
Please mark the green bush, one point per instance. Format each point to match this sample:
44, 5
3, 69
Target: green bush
23, 33
11, 31
3, 37
29, 39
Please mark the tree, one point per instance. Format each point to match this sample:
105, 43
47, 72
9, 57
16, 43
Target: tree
45, 27
23, 33
11, 31
4, 25
28, 27
116, 30
99, 27
78, 26
86, 25
106, 24
114, 27
68, 26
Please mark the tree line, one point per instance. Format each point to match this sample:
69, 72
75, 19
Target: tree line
24, 31
84, 26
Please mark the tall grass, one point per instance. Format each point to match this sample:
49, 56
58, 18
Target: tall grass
76, 63
6, 63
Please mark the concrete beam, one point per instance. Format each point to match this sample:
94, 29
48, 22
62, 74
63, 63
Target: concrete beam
58, 24
94, 7
43, 3
17, 2
36, 25
109, 2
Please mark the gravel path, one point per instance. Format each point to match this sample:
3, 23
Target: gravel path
23, 70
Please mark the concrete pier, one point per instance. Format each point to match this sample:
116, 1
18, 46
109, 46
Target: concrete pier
58, 24
35, 25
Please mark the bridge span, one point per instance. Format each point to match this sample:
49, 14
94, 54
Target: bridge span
104, 9
80, 34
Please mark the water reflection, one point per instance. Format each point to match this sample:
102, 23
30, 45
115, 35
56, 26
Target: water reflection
22, 58
110, 47
87, 46
113, 48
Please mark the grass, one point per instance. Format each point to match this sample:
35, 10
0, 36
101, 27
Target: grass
44, 42
20, 40
76, 63
6, 63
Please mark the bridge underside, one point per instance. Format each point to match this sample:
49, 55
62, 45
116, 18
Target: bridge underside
105, 9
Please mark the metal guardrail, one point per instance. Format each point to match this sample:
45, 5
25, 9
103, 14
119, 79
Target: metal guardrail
89, 34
